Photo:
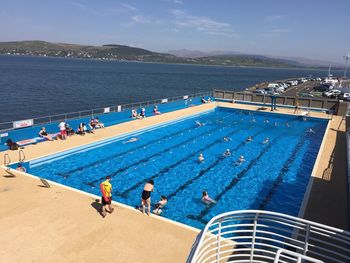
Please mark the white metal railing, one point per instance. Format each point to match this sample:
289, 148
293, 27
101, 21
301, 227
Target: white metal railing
8, 126
263, 236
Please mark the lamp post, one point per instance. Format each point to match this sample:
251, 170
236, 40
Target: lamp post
346, 64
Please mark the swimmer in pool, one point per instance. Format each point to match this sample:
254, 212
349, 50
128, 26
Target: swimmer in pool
253, 120
266, 121
159, 205
266, 141
206, 199
240, 160
134, 139
287, 124
199, 124
310, 131
227, 139
200, 157
227, 153
249, 139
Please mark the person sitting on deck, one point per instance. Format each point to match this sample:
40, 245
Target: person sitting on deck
155, 110
43, 133
92, 123
86, 129
203, 100
99, 124
80, 130
12, 145
143, 113
159, 205
206, 199
69, 130
133, 114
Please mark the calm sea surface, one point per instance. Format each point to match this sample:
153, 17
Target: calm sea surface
34, 86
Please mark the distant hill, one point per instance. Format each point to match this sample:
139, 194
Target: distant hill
186, 53
126, 53
300, 61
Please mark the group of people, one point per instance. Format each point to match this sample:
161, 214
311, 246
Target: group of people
66, 130
106, 199
142, 113
203, 100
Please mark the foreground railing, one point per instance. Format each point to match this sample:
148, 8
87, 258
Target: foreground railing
262, 236
7, 126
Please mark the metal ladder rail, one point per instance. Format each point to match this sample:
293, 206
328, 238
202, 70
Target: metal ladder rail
21, 156
7, 161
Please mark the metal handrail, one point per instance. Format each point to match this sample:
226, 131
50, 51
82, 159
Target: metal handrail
263, 236
97, 111
298, 256
21, 156
7, 159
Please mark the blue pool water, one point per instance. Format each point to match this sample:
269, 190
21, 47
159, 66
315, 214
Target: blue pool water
273, 177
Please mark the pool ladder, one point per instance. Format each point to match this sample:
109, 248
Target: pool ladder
7, 161
21, 156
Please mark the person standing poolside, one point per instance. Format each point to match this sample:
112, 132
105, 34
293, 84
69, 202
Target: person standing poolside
106, 190
296, 109
63, 131
146, 196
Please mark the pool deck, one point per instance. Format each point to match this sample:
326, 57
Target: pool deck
58, 224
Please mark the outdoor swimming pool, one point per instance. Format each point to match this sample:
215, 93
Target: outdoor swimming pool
273, 177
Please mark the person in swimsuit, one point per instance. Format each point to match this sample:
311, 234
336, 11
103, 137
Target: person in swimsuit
43, 133
160, 204
155, 110
200, 158
206, 199
21, 168
106, 190
146, 196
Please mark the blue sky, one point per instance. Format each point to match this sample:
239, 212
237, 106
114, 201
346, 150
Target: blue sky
315, 29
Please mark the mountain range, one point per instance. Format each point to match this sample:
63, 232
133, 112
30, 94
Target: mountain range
127, 53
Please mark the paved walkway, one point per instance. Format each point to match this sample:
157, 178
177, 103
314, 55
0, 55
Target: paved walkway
57, 224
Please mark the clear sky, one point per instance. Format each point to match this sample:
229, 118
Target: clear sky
317, 29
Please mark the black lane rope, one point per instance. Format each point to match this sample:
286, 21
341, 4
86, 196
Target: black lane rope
149, 157
122, 169
118, 155
204, 171
233, 182
282, 173
125, 193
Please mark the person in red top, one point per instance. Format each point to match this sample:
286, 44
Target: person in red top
106, 190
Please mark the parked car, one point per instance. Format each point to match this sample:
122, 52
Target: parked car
345, 96
259, 91
332, 93
322, 87
292, 82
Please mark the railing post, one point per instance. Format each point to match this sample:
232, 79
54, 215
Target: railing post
50, 120
253, 239
307, 235
65, 117
218, 243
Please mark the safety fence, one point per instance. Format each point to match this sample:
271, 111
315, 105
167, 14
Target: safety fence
263, 236
7, 126
249, 97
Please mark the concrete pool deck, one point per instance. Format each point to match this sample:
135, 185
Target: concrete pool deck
58, 224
